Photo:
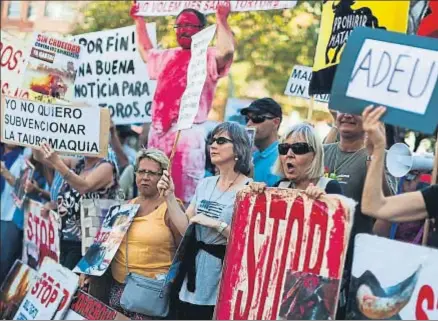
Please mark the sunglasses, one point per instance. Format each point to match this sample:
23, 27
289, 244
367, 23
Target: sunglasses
257, 119
219, 141
297, 148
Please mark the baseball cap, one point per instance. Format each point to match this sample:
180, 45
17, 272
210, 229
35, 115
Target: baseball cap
263, 106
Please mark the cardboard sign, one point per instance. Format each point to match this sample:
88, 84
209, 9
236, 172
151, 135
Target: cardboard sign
14, 289
19, 193
391, 69
50, 296
298, 84
196, 76
12, 66
41, 235
90, 308
339, 19
51, 67
112, 74
67, 129
107, 241
393, 280
93, 212
285, 256
172, 8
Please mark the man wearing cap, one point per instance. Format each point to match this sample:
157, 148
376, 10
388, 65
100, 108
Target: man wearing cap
265, 116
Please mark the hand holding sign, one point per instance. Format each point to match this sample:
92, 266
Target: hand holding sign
373, 127
165, 185
223, 10
50, 155
134, 11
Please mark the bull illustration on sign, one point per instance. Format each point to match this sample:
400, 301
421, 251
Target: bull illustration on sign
345, 20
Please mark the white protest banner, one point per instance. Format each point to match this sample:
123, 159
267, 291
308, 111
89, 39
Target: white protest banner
172, 8
51, 293
112, 74
108, 239
196, 76
41, 235
298, 84
51, 67
393, 280
13, 63
67, 129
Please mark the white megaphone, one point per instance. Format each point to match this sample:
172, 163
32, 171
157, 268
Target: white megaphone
400, 161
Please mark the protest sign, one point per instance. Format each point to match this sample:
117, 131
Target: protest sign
51, 67
67, 129
41, 235
14, 288
338, 20
391, 69
12, 65
89, 308
50, 296
233, 108
392, 280
285, 256
19, 193
298, 84
108, 239
172, 8
196, 76
93, 211
113, 75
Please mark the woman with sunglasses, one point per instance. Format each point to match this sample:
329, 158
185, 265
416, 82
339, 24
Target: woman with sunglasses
211, 210
301, 164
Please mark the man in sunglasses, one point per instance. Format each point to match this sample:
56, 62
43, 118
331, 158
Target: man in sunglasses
265, 116
169, 67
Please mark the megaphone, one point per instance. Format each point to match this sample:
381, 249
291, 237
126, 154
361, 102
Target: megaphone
400, 161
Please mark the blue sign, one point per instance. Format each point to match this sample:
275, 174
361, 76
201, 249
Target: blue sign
390, 69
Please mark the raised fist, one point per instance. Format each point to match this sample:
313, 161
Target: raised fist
223, 10
134, 10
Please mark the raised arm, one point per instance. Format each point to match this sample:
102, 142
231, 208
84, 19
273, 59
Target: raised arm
225, 40
398, 208
144, 43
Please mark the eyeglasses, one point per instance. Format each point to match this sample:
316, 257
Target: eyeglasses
297, 148
144, 172
257, 119
219, 141
187, 26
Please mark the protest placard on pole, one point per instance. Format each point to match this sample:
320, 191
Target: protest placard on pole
338, 20
14, 288
13, 63
112, 74
172, 8
390, 69
41, 235
50, 296
67, 129
298, 84
285, 256
392, 280
108, 239
19, 193
51, 67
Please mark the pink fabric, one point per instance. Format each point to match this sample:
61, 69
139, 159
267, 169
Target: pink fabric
188, 165
169, 68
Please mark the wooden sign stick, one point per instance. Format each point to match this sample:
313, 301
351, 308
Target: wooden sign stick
172, 153
434, 181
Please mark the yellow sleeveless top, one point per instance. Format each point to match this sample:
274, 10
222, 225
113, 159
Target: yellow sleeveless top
151, 246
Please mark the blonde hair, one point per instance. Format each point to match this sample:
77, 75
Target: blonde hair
153, 154
307, 132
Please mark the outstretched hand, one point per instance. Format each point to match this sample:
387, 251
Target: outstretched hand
223, 10
374, 128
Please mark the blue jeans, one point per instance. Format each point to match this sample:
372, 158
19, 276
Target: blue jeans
11, 246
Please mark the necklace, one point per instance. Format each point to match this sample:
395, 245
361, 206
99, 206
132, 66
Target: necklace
229, 186
345, 161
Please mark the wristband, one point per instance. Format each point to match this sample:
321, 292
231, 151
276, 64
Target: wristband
369, 158
222, 227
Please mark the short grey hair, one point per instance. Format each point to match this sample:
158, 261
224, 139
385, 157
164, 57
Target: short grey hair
307, 132
153, 154
241, 144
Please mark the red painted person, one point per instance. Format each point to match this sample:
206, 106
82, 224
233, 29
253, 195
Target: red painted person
169, 68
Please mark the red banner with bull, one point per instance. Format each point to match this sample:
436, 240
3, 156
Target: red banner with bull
285, 256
